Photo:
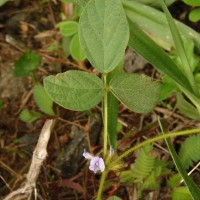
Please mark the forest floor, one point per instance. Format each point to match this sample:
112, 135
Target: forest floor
65, 175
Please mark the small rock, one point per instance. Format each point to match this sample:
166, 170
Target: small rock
133, 61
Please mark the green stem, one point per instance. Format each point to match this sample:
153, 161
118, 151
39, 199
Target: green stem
105, 115
167, 135
103, 177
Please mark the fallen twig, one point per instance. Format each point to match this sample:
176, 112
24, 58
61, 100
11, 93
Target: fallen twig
39, 155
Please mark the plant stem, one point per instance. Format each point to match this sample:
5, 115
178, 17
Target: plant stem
105, 139
105, 116
167, 135
103, 177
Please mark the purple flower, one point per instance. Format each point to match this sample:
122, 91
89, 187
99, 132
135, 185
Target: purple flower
96, 163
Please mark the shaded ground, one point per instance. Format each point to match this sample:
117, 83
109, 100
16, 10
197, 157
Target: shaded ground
29, 25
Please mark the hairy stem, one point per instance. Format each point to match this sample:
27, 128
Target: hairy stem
103, 177
167, 135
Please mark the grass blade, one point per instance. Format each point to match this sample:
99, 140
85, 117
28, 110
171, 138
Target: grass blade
180, 48
193, 188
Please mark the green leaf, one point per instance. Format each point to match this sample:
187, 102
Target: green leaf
180, 49
27, 63
114, 198
43, 100
29, 116
75, 90
187, 108
194, 15
154, 23
192, 57
69, 28
193, 188
197, 78
139, 93
142, 44
104, 33
192, 2
174, 181
76, 12
126, 177
151, 182
167, 88
181, 193
189, 151
76, 50
2, 2
146, 47
155, 3
66, 45
113, 105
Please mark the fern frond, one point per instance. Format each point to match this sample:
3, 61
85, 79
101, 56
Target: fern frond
163, 165
174, 181
190, 151
181, 193
152, 180
126, 177
143, 165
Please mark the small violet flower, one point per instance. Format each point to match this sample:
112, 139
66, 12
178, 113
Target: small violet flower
96, 163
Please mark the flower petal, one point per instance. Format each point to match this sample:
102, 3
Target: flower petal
97, 164
101, 164
94, 164
87, 155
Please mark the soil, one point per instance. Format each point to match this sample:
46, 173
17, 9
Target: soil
65, 175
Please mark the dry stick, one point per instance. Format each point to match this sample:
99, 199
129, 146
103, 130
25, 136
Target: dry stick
39, 155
